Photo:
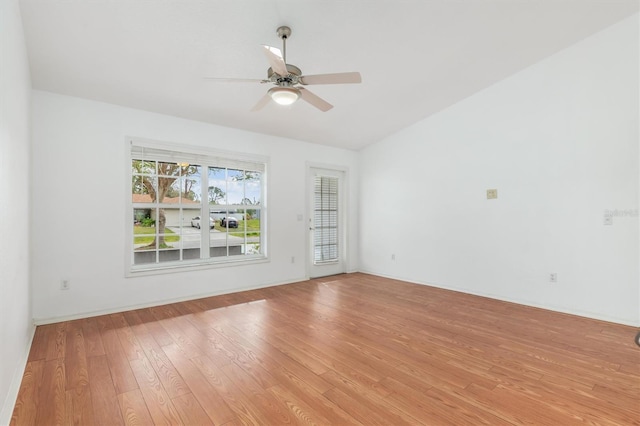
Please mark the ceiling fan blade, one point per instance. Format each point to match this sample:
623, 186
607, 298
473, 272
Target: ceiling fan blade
236, 80
315, 100
261, 103
274, 56
339, 78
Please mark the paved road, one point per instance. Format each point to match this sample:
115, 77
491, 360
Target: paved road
190, 238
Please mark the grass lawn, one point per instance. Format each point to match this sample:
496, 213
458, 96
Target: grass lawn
252, 227
145, 235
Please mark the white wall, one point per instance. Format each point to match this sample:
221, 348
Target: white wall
16, 329
559, 141
79, 164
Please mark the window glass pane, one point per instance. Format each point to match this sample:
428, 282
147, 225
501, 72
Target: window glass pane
168, 169
143, 167
192, 184
218, 243
169, 225
143, 188
235, 186
217, 189
189, 235
144, 236
253, 188
252, 248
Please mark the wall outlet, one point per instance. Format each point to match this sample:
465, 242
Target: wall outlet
492, 194
553, 277
65, 285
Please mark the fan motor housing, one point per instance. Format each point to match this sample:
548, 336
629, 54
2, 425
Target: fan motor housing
292, 78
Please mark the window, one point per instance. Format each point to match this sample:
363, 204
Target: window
191, 208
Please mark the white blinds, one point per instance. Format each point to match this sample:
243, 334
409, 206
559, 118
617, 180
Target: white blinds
325, 219
148, 150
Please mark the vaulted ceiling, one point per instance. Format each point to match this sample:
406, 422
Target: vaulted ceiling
416, 57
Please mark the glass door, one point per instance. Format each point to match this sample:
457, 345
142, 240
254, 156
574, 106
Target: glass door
326, 224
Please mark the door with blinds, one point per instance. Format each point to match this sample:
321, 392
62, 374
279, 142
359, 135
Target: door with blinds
326, 223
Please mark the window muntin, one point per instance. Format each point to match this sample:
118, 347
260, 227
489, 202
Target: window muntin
173, 226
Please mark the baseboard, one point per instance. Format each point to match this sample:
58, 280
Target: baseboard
16, 381
559, 309
82, 315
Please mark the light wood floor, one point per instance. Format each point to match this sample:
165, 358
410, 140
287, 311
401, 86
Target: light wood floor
349, 349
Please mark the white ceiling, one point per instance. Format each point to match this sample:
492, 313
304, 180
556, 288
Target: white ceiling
416, 57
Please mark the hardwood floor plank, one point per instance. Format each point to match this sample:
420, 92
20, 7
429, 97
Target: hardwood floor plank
349, 349
154, 327
51, 393
40, 342
173, 327
106, 410
168, 375
80, 406
57, 342
316, 363
24, 411
247, 360
516, 408
339, 357
437, 407
316, 402
122, 376
162, 410
244, 412
128, 340
190, 410
363, 410
92, 339
283, 368
134, 409
77, 374
299, 410
206, 394
271, 411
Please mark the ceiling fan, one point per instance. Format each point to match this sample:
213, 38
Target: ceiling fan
288, 79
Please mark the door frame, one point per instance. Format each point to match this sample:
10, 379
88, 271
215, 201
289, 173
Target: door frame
343, 216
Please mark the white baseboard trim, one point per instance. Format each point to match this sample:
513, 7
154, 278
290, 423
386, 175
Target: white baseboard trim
16, 381
82, 315
560, 309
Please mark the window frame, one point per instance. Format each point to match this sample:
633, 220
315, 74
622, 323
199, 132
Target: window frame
205, 158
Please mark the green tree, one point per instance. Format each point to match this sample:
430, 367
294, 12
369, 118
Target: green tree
158, 185
216, 194
246, 175
250, 213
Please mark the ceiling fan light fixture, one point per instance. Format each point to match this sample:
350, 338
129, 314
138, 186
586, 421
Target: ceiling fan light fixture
284, 95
